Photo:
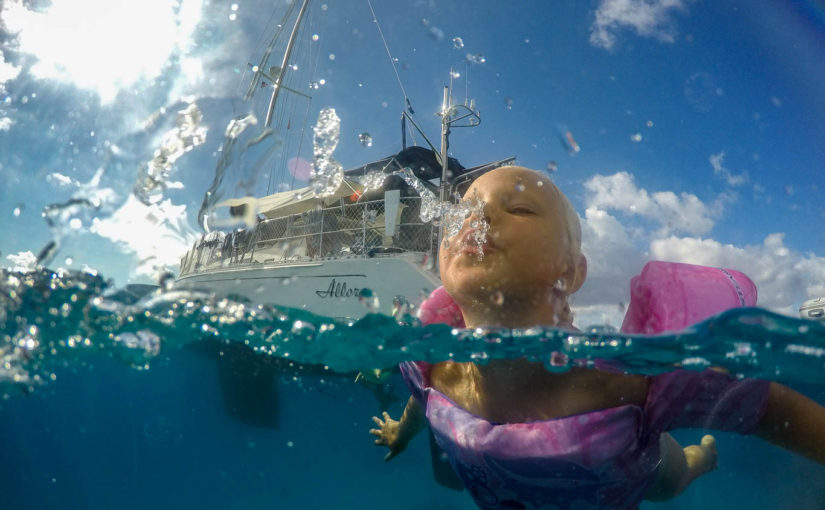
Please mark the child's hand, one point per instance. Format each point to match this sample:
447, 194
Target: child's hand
388, 435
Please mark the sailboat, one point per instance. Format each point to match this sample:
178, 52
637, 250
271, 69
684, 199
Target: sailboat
351, 250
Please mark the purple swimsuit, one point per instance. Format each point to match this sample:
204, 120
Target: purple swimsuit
605, 459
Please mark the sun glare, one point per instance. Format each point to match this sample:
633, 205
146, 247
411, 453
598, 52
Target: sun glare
103, 45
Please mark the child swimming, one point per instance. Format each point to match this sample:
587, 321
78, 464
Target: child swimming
521, 437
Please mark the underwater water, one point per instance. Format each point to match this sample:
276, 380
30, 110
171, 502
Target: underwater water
184, 400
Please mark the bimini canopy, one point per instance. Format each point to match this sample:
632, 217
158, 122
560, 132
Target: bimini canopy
422, 161
288, 202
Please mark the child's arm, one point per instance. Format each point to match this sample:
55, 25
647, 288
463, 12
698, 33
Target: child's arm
395, 435
795, 422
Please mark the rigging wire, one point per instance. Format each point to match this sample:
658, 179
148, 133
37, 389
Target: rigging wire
394, 68
313, 74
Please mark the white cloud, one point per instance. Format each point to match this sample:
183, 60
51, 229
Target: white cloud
158, 234
22, 262
101, 45
717, 163
612, 259
784, 278
674, 213
616, 252
648, 18
8, 71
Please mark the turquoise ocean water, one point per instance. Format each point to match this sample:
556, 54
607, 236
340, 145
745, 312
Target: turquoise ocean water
181, 400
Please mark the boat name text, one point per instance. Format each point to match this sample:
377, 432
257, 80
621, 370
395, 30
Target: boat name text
338, 290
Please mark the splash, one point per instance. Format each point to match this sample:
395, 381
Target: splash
232, 135
87, 204
373, 180
431, 206
327, 174
58, 319
153, 177
452, 215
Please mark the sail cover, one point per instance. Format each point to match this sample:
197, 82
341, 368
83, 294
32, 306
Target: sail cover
286, 203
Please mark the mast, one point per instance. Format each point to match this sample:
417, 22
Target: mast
451, 115
276, 86
445, 140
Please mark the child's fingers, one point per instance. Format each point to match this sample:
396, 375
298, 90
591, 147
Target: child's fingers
378, 421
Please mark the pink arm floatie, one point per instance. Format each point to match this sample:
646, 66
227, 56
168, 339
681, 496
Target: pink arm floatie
666, 296
440, 308
669, 296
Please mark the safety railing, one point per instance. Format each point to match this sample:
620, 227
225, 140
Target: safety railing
361, 229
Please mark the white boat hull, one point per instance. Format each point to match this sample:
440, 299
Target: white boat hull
331, 287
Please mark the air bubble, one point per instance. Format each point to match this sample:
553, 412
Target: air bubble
455, 75
520, 186
332, 56
636, 137
551, 166
508, 103
18, 209
315, 37
497, 298
458, 43
365, 139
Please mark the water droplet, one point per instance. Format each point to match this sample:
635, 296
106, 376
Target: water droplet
497, 298
552, 166
476, 58
520, 186
458, 43
327, 173
365, 139
436, 34
700, 91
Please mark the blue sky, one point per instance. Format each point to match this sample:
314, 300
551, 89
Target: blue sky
700, 122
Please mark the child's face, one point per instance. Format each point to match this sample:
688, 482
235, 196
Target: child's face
527, 248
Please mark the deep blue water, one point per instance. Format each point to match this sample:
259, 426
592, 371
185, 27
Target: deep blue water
99, 433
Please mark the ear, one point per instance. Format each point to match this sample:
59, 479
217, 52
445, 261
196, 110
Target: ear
576, 275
